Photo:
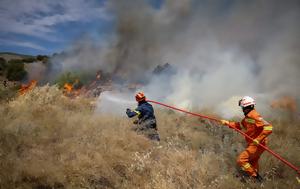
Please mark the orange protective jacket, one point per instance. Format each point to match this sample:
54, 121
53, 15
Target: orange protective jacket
256, 127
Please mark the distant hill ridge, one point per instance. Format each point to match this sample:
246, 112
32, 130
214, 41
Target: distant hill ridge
10, 55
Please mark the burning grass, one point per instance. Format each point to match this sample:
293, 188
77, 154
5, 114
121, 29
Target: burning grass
27, 87
51, 141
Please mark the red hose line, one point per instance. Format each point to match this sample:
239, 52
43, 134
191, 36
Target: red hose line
237, 130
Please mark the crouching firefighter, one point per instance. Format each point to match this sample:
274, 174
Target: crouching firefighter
146, 123
258, 129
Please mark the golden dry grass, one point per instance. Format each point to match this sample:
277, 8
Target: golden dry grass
50, 141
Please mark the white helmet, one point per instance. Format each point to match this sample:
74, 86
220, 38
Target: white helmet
246, 101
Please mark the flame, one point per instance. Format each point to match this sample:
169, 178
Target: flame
68, 87
71, 91
285, 103
25, 88
93, 89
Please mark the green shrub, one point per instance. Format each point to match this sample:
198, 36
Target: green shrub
43, 58
15, 70
3, 66
71, 77
29, 60
67, 77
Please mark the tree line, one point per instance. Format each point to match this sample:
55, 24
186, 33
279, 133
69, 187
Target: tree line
14, 69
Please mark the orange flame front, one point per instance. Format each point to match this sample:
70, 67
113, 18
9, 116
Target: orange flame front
68, 87
25, 88
71, 91
285, 103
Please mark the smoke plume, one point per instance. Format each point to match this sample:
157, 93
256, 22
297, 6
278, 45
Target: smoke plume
220, 49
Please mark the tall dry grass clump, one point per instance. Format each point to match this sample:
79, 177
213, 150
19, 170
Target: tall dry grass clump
50, 141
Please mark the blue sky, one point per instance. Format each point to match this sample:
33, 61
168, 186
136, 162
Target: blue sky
49, 26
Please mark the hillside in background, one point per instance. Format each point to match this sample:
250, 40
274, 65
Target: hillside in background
20, 67
10, 55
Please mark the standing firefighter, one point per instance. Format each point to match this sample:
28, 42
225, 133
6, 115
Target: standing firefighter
146, 123
258, 129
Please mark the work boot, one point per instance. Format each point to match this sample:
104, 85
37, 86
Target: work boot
153, 136
258, 178
243, 176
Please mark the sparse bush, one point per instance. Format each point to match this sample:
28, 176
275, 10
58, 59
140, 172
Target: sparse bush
43, 58
15, 70
3, 66
28, 60
71, 77
66, 78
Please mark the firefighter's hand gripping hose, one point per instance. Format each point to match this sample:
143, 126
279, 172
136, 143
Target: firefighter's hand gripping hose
237, 130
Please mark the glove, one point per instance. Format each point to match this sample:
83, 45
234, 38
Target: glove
255, 142
224, 122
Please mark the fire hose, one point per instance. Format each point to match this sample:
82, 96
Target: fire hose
237, 130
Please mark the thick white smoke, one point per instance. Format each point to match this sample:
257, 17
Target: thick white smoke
221, 50
115, 102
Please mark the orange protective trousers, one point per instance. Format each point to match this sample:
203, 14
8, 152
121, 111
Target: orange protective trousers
248, 159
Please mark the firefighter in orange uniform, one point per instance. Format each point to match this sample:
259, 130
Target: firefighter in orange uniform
258, 129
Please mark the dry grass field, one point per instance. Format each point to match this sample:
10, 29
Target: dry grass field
50, 141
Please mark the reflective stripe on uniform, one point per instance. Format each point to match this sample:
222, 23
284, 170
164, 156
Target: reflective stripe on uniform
246, 166
249, 120
137, 112
255, 141
264, 121
268, 128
